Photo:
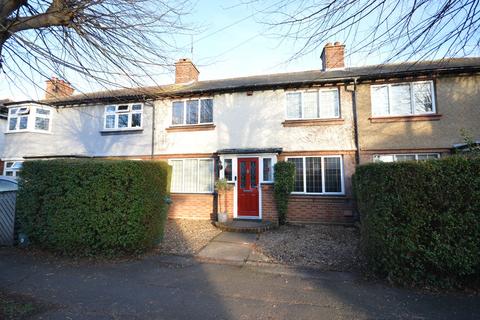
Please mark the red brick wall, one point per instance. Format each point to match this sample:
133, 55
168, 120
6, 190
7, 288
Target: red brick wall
312, 209
192, 206
269, 209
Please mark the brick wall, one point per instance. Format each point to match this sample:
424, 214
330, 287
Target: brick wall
192, 206
313, 209
269, 209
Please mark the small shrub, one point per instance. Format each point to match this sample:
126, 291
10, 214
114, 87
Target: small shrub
284, 182
421, 221
86, 207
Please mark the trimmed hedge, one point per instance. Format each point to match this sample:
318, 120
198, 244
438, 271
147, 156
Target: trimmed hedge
87, 207
284, 173
421, 220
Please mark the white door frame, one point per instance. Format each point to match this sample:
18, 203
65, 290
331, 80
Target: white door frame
235, 157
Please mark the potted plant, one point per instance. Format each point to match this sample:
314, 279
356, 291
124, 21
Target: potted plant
221, 185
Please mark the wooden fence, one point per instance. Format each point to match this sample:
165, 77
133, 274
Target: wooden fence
7, 217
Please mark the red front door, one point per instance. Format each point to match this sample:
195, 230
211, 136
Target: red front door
248, 187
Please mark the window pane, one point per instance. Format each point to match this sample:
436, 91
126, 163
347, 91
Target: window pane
228, 169
42, 123
243, 174
383, 158
205, 180
253, 174
110, 109
427, 156
298, 162
267, 170
206, 112
333, 176
110, 121
123, 120
177, 112
9, 173
294, 107
136, 119
137, 107
23, 122
123, 108
177, 175
17, 165
314, 174
379, 100
12, 124
400, 99
13, 111
405, 157
329, 106
310, 105
43, 111
190, 173
192, 112
423, 97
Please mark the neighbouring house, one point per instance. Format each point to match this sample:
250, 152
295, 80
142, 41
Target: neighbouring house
325, 121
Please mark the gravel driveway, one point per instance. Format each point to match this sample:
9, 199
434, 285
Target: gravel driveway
334, 248
185, 236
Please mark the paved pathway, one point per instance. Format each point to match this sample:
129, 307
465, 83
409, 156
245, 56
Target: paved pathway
229, 247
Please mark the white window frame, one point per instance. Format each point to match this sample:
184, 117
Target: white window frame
302, 105
14, 170
198, 175
342, 178
395, 155
272, 159
117, 113
184, 122
413, 108
31, 116
223, 170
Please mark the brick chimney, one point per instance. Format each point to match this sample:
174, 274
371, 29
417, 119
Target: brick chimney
58, 88
333, 56
185, 71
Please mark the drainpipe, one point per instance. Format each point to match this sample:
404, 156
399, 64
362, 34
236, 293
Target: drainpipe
153, 131
355, 122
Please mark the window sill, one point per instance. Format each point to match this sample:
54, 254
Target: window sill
121, 131
312, 122
191, 127
29, 131
316, 196
425, 117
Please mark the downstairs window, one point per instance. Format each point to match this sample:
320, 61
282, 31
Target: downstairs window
192, 175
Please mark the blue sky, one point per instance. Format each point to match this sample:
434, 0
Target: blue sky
231, 43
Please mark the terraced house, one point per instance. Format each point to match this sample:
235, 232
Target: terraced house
326, 121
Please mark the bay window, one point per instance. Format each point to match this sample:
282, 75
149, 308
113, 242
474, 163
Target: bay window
313, 104
123, 117
399, 99
29, 118
192, 112
318, 175
192, 175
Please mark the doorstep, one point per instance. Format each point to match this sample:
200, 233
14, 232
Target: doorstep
245, 226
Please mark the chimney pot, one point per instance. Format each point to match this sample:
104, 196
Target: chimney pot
58, 88
333, 56
185, 71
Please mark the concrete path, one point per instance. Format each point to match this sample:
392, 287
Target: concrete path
167, 287
230, 247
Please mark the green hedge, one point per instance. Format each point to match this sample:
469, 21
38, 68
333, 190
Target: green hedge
284, 173
421, 220
86, 207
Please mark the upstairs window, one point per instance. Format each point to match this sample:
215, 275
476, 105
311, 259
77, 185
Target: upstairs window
29, 118
192, 112
12, 168
315, 104
400, 99
123, 116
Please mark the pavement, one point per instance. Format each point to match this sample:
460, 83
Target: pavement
175, 287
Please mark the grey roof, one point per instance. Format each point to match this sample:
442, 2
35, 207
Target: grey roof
279, 80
